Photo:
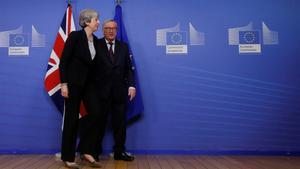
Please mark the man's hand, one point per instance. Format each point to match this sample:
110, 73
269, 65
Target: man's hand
131, 93
64, 90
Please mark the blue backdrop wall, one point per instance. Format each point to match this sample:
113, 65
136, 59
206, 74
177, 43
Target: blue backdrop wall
212, 98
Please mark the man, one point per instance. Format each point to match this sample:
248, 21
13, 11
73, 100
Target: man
115, 83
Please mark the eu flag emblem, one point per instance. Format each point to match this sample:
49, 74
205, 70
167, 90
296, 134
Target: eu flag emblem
249, 37
176, 38
18, 40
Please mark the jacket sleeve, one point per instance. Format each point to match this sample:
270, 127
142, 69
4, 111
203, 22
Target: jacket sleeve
66, 57
129, 68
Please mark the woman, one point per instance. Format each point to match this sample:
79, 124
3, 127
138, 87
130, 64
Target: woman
75, 72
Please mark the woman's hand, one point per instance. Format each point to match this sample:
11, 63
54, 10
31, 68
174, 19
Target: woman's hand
64, 90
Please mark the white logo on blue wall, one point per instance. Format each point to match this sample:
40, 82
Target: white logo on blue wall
176, 38
249, 37
176, 41
18, 43
18, 40
249, 40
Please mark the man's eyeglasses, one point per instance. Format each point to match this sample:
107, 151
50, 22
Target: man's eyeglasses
110, 28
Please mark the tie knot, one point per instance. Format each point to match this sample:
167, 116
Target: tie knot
110, 43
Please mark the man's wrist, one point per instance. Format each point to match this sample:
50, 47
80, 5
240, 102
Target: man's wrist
131, 87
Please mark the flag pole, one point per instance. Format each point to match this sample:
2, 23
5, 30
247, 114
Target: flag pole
118, 2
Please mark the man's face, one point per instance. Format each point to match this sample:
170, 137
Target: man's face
110, 31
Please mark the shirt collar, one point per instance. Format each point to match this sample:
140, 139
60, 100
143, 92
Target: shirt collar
107, 42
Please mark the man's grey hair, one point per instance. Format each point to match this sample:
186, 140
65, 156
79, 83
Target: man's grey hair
109, 20
86, 16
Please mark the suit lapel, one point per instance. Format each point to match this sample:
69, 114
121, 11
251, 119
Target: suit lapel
105, 51
95, 39
86, 45
117, 52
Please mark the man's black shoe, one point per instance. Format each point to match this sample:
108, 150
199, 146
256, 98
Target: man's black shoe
123, 156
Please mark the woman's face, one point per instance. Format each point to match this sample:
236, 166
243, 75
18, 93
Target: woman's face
93, 25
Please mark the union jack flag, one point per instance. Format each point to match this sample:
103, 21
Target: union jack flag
52, 78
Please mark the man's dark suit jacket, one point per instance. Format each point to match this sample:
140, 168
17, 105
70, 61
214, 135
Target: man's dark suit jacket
76, 61
113, 80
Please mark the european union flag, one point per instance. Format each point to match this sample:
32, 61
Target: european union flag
136, 106
249, 37
18, 40
176, 38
